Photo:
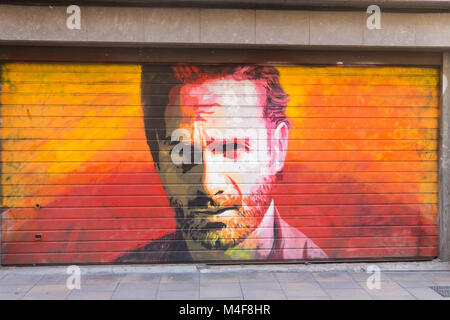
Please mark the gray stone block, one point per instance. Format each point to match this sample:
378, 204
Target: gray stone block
282, 27
38, 23
227, 26
432, 29
171, 25
397, 29
105, 24
337, 28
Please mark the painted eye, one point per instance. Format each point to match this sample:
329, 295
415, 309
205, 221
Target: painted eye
233, 149
235, 146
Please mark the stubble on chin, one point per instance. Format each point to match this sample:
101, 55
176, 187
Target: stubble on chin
218, 233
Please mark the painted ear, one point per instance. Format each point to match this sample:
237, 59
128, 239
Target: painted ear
280, 143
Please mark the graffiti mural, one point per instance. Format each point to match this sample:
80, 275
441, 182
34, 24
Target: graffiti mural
176, 163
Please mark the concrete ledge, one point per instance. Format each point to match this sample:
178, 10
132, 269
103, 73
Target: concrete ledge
331, 267
256, 4
242, 27
202, 268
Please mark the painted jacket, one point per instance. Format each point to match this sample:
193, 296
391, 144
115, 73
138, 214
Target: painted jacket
289, 244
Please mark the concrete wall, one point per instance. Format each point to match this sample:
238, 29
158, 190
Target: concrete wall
244, 28
206, 27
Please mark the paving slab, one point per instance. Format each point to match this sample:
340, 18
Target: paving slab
426, 294
53, 279
258, 277
141, 278
332, 276
438, 276
178, 295
297, 282
182, 286
47, 292
348, 294
102, 286
101, 278
405, 276
387, 291
20, 279
310, 298
224, 298
351, 284
11, 295
220, 291
15, 289
303, 290
219, 278
257, 294
442, 283
404, 297
135, 290
89, 295
179, 278
100, 282
364, 276
416, 283
291, 277
262, 286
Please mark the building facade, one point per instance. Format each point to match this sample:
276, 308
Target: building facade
224, 131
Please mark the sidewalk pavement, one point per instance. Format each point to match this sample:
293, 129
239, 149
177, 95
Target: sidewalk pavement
403, 281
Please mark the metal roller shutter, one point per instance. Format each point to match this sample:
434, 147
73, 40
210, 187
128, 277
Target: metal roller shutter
359, 178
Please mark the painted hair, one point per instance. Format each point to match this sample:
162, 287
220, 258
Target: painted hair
158, 80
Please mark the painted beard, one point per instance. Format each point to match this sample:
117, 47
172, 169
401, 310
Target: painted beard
224, 232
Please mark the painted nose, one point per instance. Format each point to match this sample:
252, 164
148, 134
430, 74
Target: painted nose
213, 177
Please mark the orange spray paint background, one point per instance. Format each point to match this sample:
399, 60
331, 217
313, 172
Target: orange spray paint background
360, 177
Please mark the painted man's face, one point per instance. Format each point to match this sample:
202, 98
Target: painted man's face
222, 192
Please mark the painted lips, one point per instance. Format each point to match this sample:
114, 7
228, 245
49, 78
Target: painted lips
215, 212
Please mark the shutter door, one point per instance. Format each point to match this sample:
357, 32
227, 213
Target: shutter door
359, 179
